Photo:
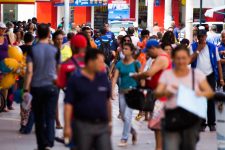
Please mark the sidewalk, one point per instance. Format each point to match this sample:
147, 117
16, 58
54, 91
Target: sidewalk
12, 140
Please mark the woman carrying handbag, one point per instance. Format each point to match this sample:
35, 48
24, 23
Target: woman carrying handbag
124, 68
180, 127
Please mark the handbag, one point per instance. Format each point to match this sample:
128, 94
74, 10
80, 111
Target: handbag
140, 98
180, 119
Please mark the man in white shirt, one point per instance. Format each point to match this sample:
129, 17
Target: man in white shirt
205, 57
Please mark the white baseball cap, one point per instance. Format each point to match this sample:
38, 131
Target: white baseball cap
2, 25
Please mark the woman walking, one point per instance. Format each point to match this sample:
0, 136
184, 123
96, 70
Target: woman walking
181, 74
123, 70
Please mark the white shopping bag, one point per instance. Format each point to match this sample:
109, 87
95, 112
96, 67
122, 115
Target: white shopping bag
187, 99
27, 98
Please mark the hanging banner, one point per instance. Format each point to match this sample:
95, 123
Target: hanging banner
82, 2
17, 1
118, 9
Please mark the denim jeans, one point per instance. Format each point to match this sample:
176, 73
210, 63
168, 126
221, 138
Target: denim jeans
127, 117
30, 122
44, 107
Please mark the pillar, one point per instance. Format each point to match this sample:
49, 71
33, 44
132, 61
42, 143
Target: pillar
66, 15
92, 17
167, 14
150, 16
189, 20
137, 11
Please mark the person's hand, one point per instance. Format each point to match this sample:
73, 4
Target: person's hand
222, 52
135, 76
222, 82
67, 132
168, 94
201, 47
171, 90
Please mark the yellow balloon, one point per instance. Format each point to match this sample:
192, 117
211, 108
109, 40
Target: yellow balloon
16, 53
7, 81
11, 63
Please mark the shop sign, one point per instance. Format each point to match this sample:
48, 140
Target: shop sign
17, 1
118, 9
82, 2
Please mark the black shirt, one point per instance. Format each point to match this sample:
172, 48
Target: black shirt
26, 48
89, 98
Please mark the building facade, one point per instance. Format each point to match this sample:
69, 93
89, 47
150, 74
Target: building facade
46, 11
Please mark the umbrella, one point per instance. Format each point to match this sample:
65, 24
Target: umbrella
209, 12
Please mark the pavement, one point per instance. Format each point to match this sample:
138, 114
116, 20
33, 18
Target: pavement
10, 139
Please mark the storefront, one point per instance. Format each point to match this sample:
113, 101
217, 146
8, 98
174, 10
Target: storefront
12, 10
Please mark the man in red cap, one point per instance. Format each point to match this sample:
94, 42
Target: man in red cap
78, 46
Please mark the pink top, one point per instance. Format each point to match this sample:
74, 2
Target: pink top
170, 79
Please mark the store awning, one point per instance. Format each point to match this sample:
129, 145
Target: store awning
210, 12
16, 1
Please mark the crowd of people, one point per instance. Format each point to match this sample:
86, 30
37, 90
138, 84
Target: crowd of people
93, 69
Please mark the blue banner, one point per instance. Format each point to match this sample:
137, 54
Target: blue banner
86, 3
157, 2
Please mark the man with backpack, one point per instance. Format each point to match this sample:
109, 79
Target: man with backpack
104, 44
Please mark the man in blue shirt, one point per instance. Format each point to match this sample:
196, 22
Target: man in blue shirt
205, 57
221, 49
104, 43
87, 97
109, 34
42, 63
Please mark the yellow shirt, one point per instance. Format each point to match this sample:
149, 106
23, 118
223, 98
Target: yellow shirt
66, 53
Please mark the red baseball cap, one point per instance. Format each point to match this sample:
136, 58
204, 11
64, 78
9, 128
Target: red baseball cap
79, 41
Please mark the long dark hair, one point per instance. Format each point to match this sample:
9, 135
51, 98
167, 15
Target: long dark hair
168, 38
123, 39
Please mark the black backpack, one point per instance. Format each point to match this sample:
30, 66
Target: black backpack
106, 49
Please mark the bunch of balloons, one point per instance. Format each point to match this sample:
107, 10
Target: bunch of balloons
12, 67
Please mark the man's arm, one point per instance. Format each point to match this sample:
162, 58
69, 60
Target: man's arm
222, 61
68, 109
158, 65
194, 55
28, 76
220, 73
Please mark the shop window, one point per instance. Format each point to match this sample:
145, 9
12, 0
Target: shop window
10, 12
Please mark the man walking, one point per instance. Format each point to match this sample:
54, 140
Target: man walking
221, 49
90, 106
42, 62
206, 58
